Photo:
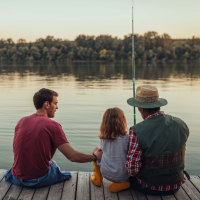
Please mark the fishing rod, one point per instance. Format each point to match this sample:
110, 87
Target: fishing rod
133, 65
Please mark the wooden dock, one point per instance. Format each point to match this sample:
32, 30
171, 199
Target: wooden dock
80, 188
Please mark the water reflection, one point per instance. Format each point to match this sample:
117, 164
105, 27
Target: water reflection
99, 71
86, 90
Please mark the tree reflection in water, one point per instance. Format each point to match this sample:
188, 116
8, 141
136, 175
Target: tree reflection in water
99, 71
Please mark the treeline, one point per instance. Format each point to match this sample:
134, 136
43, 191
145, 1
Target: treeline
148, 47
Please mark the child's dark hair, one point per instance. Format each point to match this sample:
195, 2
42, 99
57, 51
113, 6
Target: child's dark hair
113, 124
43, 95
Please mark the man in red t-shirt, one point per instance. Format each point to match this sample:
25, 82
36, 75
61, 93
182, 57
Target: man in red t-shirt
36, 139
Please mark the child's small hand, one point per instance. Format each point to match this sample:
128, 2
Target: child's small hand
95, 149
98, 152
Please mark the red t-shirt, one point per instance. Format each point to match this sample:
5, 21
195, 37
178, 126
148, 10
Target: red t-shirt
35, 142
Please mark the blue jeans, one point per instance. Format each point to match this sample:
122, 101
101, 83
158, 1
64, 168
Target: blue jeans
54, 175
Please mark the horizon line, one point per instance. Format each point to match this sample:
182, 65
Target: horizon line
114, 36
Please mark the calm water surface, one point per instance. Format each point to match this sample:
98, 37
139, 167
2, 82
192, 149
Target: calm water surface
86, 90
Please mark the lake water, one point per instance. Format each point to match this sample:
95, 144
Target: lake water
86, 90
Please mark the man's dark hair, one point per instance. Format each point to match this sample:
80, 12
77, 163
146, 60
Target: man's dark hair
152, 110
43, 95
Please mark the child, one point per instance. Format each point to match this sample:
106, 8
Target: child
114, 144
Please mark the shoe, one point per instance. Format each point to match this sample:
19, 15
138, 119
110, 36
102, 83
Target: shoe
97, 177
117, 187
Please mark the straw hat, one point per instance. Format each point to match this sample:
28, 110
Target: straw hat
147, 97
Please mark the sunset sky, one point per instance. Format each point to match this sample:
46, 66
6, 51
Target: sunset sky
32, 19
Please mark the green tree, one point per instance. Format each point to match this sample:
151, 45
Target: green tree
35, 53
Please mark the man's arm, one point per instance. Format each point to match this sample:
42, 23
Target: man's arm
76, 156
134, 157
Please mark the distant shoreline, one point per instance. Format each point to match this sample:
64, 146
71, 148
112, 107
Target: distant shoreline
149, 47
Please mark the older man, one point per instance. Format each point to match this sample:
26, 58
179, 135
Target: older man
36, 139
155, 159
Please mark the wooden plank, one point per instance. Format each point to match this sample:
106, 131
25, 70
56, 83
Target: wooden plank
2, 173
26, 194
195, 180
181, 194
83, 186
168, 197
55, 191
97, 193
153, 197
86, 190
138, 195
41, 193
125, 195
13, 192
107, 194
189, 192
69, 189
194, 190
4, 187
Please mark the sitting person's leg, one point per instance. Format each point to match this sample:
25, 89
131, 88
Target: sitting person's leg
113, 187
97, 177
137, 186
53, 176
117, 187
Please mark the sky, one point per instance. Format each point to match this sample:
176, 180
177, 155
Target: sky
66, 19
